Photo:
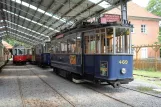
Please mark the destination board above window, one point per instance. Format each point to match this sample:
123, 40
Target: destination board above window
60, 36
106, 18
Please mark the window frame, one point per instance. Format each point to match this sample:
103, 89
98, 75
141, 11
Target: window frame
132, 28
143, 28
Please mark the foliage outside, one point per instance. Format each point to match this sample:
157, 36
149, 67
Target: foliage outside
154, 6
14, 42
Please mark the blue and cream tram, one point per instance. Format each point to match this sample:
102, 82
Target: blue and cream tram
99, 53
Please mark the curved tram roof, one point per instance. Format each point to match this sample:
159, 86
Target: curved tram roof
35, 21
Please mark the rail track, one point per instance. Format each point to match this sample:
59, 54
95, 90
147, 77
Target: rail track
20, 89
109, 96
97, 91
52, 87
88, 88
141, 92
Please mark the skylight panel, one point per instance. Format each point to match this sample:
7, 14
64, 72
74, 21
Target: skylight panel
24, 33
2, 27
18, 1
55, 17
42, 11
28, 29
33, 7
104, 4
25, 4
94, 1
48, 14
29, 20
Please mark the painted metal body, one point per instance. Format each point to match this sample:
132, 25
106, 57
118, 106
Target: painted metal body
103, 67
19, 58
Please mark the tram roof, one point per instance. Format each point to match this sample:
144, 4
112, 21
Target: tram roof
35, 21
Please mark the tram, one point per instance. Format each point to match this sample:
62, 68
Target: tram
42, 54
94, 52
19, 55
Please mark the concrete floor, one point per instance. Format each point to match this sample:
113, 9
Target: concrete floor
31, 86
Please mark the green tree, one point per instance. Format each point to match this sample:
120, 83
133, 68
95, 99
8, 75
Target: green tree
14, 41
159, 37
154, 6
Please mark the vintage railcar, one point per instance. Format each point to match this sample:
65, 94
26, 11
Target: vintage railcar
4, 56
19, 55
95, 52
43, 54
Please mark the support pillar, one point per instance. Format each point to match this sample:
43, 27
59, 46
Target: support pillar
124, 11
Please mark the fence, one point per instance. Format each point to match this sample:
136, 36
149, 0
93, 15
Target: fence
147, 64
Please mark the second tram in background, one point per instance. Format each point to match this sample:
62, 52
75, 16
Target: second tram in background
19, 55
94, 52
42, 54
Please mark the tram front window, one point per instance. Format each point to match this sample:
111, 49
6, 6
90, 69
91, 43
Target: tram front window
122, 40
20, 51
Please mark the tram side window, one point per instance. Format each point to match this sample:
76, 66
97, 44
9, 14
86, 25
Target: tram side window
15, 52
108, 45
71, 45
63, 47
58, 48
98, 41
90, 42
78, 44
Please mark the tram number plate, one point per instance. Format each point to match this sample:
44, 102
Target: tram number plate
123, 62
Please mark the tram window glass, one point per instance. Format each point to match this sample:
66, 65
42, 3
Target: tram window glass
90, 42
15, 52
108, 45
72, 43
58, 47
63, 47
78, 44
103, 40
122, 40
20, 51
47, 47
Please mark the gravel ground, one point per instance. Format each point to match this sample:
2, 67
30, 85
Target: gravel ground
20, 87
76, 93
131, 97
9, 89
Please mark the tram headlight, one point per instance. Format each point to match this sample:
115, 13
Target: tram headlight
123, 70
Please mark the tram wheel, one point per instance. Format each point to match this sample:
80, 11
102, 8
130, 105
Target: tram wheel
116, 84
